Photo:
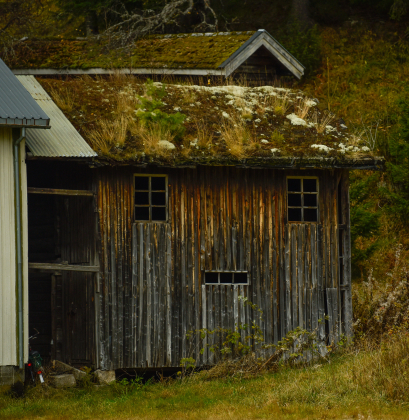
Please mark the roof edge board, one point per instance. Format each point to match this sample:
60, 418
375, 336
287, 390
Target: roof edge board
18, 123
92, 71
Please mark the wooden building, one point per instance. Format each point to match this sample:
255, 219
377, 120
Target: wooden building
141, 246
250, 55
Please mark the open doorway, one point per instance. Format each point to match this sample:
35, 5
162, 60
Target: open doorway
62, 255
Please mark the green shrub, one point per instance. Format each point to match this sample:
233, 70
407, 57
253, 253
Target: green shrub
152, 116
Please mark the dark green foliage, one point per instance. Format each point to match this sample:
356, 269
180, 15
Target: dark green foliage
394, 9
305, 45
151, 114
397, 195
364, 218
328, 11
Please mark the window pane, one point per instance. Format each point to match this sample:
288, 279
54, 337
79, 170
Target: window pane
240, 278
158, 198
294, 200
294, 185
226, 278
294, 215
310, 185
310, 215
310, 200
141, 213
159, 213
211, 278
141, 198
158, 183
141, 183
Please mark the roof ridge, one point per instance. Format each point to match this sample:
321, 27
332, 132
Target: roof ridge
188, 34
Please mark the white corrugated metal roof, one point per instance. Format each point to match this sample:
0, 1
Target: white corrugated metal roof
62, 140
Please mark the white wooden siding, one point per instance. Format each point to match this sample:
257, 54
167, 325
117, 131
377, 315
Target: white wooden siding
8, 287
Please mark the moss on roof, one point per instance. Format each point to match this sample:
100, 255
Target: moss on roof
187, 51
224, 125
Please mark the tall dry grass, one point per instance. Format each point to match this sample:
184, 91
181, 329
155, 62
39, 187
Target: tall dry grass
237, 137
149, 139
385, 370
109, 134
302, 107
64, 98
321, 121
381, 306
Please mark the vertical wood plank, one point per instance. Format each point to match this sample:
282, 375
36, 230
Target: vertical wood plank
288, 324
294, 294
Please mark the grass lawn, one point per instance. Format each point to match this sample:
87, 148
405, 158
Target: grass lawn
350, 386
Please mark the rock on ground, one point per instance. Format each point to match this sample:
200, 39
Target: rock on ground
66, 380
105, 376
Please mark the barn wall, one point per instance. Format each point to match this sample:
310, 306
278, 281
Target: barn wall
8, 287
152, 292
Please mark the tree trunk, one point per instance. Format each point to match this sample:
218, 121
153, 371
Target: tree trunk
92, 23
300, 11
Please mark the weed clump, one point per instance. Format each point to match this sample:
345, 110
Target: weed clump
277, 138
238, 138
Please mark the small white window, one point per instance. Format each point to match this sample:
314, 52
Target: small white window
302, 199
151, 198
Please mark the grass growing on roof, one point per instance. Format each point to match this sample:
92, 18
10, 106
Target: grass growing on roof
153, 51
237, 120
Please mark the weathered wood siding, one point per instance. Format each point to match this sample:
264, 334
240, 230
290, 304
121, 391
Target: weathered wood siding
152, 291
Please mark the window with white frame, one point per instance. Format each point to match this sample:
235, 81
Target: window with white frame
302, 199
151, 198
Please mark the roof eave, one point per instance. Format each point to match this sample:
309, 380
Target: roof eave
21, 123
374, 164
136, 71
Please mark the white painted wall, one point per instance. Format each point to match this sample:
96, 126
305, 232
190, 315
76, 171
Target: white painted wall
8, 286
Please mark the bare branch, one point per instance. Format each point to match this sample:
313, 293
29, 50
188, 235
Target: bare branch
135, 24
18, 18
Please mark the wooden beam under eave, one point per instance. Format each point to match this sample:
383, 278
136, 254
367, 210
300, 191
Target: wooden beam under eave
63, 267
54, 191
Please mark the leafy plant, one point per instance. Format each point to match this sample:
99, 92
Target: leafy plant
150, 114
233, 349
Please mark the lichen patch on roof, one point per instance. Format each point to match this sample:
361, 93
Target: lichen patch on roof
188, 51
216, 125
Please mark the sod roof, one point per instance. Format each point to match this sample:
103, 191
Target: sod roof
189, 51
223, 125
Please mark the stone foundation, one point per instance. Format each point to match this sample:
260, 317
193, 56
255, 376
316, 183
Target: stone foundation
9, 375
